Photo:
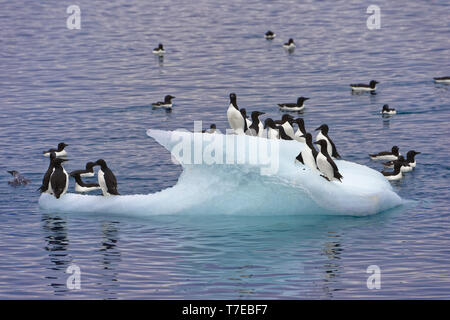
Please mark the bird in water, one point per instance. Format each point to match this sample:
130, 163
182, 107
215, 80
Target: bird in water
396, 174
372, 86
299, 106
159, 50
166, 104
388, 111
18, 179
386, 155
106, 179
270, 35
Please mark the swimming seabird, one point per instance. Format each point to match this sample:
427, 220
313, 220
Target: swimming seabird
59, 179
299, 106
106, 179
270, 35
167, 103
18, 179
159, 50
235, 118
410, 158
85, 173
81, 186
372, 86
309, 153
256, 128
59, 152
396, 174
323, 135
388, 111
386, 155
325, 164
442, 80
289, 45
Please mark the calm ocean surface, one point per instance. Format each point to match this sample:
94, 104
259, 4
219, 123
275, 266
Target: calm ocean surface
92, 88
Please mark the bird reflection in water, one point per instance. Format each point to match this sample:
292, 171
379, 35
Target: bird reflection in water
332, 250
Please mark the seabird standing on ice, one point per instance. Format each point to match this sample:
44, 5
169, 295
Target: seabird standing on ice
85, 173
442, 80
286, 123
256, 128
388, 111
396, 174
308, 155
372, 86
289, 45
323, 135
81, 186
60, 152
301, 131
106, 179
235, 118
386, 155
299, 106
18, 179
270, 35
325, 164
212, 129
272, 131
59, 180
167, 103
248, 123
159, 50
46, 180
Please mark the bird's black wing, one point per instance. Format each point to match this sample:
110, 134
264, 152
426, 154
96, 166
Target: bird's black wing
300, 158
337, 175
50, 150
111, 182
46, 180
334, 152
77, 172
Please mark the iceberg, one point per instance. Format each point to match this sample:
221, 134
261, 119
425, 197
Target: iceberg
243, 175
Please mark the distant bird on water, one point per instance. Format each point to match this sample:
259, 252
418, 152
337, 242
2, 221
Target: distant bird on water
290, 44
166, 104
270, 35
159, 50
388, 111
299, 106
442, 80
18, 179
372, 86
386, 155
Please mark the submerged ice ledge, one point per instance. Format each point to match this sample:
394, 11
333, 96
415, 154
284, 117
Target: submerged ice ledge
242, 175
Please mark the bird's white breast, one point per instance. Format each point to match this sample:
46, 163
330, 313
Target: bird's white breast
235, 120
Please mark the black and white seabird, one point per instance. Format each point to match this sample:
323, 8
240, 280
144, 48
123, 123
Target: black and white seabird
372, 86
410, 158
405, 165
235, 118
442, 80
18, 179
167, 103
301, 131
85, 173
59, 180
386, 155
388, 111
299, 106
396, 174
81, 186
159, 50
286, 123
59, 152
272, 130
289, 45
323, 135
248, 123
212, 129
256, 128
106, 179
283, 134
308, 155
46, 180
325, 164
270, 35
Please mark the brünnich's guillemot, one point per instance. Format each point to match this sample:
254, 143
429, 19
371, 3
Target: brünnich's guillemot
286, 123
325, 164
410, 158
106, 179
256, 128
299, 106
59, 152
290, 44
59, 179
212, 129
270, 35
388, 111
167, 103
235, 118
85, 173
83, 187
396, 174
309, 153
159, 50
272, 131
386, 155
301, 131
18, 179
372, 86
46, 180
248, 123
442, 80
323, 135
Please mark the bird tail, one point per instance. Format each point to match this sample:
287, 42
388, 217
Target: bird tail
300, 158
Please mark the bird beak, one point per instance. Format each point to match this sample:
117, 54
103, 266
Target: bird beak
302, 136
10, 172
318, 128
418, 152
317, 142
64, 160
306, 98
173, 97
